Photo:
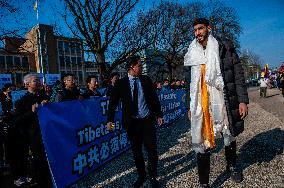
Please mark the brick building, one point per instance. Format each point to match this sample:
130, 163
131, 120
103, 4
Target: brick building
42, 51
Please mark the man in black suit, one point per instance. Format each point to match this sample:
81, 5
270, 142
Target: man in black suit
140, 108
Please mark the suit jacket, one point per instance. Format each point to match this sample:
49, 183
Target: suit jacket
122, 92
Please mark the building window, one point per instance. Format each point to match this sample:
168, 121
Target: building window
79, 61
72, 47
67, 61
80, 76
2, 62
73, 61
61, 61
60, 46
9, 61
25, 63
66, 47
78, 48
17, 61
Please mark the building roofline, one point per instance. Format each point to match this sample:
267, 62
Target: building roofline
56, 36
68, 38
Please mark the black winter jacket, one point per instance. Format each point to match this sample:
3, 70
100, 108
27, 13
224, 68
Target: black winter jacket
235, 88
25, 119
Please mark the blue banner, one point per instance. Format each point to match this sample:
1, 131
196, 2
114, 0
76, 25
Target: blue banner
5, 79
16, 95
76, 139
173, 104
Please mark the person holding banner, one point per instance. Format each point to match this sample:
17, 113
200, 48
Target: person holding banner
93, 85
30, 138
218, 98
69, 91
140, 108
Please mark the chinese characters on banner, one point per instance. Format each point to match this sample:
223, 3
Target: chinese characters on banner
76, 138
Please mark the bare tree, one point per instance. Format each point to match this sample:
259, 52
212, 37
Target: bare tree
138, 35
98, 23
13, 24
251, 63
224, 21
174, 21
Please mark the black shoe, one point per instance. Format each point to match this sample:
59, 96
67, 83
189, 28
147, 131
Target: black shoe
236, 175
204, 186
139, 182
154, 183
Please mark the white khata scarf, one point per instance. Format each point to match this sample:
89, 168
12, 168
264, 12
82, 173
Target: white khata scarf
195, 57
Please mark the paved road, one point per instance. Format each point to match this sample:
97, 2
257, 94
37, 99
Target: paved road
273, 103
260, 151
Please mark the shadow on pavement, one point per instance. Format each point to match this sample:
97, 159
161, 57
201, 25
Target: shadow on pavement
272, 95
264, 147
170, 164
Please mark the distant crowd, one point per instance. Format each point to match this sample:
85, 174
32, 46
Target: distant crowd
276, 81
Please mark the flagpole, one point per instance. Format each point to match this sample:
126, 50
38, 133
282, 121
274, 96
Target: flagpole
40, 56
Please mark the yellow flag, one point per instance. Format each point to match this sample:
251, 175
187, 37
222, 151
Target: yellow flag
35, 6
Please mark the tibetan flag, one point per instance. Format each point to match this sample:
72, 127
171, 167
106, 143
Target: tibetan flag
266, 71
35, 6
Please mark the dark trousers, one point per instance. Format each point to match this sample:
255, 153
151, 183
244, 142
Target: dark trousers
142, 130
18, 151
203, 162
41, 168
23, 141
263, 91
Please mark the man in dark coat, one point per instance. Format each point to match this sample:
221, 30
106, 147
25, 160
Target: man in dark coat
27, 124
114, 77
218, 97
69, 91
140, 108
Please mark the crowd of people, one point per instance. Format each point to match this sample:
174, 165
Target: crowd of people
218, 106
20, 129
173, 85
21, 149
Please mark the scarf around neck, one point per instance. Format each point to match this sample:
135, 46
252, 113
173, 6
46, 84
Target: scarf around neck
195, 57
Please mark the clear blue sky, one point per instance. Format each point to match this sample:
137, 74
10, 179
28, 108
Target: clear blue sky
262, 23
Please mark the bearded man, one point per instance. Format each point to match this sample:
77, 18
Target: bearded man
218, 96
